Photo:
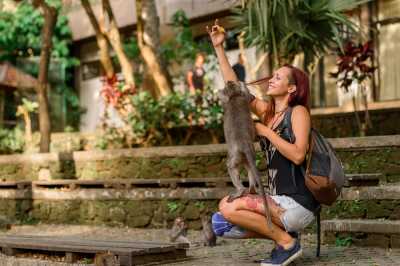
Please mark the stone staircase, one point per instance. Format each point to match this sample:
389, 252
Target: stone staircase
367, 213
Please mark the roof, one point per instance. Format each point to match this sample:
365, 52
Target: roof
14, 78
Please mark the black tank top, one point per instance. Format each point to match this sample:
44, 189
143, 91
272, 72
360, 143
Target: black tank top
285, 177
198, 78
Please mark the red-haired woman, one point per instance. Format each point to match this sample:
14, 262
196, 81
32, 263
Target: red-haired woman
292, 204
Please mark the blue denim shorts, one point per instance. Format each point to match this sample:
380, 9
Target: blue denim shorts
296, 217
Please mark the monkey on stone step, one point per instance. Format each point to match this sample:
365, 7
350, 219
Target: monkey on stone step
210, 239
178, 232
239, 134
106, 259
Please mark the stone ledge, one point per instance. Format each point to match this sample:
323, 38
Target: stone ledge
116, 194
365, 226
374, 142
361, 193
380, 192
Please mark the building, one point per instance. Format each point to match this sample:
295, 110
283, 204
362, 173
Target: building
378, 19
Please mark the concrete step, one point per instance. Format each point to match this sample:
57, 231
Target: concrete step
366, 232
381, 192
366, 226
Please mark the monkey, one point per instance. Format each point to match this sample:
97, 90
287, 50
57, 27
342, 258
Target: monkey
210, 239
105, 259
239, 132
178, 232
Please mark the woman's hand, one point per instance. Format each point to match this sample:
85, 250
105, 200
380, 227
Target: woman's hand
217, 34
259, 128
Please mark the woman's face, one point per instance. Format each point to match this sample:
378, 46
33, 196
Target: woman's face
279, 84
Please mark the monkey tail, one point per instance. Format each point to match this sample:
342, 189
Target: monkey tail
257, 176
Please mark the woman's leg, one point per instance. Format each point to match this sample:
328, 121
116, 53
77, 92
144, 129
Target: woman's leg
248, 212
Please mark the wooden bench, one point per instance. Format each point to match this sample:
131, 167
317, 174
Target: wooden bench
128, 252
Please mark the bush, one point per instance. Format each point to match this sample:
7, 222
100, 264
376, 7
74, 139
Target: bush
11, 140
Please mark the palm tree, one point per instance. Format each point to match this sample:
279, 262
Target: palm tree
285, 28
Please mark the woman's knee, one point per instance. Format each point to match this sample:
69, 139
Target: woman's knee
227, 208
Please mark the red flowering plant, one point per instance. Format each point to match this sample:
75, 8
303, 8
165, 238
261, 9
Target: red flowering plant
114, 91
116, 94
354, 69
354, 64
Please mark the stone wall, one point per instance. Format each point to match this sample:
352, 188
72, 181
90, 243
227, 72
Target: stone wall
333, 124
146, 208
359, 155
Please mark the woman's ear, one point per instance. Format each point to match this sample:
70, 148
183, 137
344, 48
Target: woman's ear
292, 88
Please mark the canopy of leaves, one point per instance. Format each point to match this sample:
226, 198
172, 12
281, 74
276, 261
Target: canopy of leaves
183, 46
20, 44
288, 27
20, 34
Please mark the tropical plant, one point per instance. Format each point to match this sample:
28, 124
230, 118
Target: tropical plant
11, 140
354, 69
183, 47
21, 42
24, 110
285, 28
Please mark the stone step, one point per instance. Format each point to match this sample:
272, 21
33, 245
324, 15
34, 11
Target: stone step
366, 232
366, 179
382, 192
378, 226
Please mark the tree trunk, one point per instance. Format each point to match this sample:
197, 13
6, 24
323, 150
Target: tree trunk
115, 41
148, 37
102, 41
50, 17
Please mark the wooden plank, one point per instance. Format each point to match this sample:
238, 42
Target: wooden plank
36, 245
119, 243
135, 247
129, 252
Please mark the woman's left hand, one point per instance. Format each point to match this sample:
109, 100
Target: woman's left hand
259, 128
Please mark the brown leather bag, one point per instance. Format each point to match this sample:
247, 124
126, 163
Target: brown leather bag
324, 175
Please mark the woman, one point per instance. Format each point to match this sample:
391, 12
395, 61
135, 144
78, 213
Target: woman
291, 203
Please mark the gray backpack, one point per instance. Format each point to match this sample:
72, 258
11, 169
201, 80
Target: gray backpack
324, 173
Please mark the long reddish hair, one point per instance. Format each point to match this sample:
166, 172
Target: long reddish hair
300, 97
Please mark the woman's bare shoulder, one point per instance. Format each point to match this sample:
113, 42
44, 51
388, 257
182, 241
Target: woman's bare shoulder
300, 112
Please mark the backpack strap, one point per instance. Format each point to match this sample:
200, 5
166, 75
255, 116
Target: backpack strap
288, 123
309, 152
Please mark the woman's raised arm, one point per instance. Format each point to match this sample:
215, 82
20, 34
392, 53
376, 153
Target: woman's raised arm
217, 35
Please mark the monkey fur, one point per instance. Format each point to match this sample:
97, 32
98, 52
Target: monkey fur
239, 134
106, 259
210, 239
178, 231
